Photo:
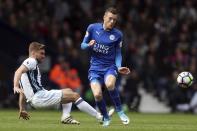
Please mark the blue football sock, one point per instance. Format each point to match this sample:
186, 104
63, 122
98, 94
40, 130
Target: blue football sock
102, 107
114, 94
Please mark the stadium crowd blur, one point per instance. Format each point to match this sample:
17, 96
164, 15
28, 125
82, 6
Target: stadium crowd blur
160, 41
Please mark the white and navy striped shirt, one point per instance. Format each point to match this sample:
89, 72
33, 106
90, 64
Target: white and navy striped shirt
30, 81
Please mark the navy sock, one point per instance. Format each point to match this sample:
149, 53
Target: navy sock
114, 94
102, 107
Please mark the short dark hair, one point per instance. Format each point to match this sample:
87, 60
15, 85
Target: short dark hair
35, 46
112, 10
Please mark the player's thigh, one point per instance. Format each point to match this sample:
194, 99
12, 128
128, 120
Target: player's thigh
46, 98
69, 95
110, 78
96, 89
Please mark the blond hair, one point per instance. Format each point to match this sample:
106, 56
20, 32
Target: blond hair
35, 46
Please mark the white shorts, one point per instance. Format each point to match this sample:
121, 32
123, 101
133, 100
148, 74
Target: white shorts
45, 98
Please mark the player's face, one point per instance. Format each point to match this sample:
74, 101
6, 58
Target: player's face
109, 20
40, 55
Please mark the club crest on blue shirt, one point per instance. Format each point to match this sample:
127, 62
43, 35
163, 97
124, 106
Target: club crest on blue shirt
111, 37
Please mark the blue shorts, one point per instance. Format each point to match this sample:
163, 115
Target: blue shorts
100, 76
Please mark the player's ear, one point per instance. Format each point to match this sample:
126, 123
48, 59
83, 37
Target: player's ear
32, 53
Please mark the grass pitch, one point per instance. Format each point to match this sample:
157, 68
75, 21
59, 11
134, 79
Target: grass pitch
42, 120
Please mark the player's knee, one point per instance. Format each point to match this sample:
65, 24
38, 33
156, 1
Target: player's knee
76, 96
70, 96
98, 96
110, 85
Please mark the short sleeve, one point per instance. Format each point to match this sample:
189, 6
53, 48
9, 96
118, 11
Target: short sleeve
30, 63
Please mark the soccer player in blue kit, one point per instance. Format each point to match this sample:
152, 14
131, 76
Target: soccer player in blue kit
105, 42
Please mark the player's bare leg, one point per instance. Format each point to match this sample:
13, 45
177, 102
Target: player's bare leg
70, 96
66, 109
114, 94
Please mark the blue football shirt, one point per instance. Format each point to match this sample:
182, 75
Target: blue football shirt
106, 52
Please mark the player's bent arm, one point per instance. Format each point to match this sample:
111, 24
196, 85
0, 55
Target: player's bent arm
87, 42
21, 102
22, 112
118, 61
17, 76
84, 45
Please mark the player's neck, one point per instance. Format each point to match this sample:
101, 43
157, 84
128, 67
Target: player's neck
32, 56
104, 27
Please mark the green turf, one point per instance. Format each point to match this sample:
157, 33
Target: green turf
50, 121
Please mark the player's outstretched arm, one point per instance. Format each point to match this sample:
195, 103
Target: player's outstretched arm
118, 60
22, 112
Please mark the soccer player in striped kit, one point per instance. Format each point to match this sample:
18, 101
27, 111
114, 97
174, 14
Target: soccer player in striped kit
27, 82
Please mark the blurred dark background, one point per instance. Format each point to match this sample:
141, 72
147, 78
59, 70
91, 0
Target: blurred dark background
160, 41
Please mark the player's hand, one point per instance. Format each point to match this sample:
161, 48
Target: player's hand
17, 90
92, 42
24, 115
124, 70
